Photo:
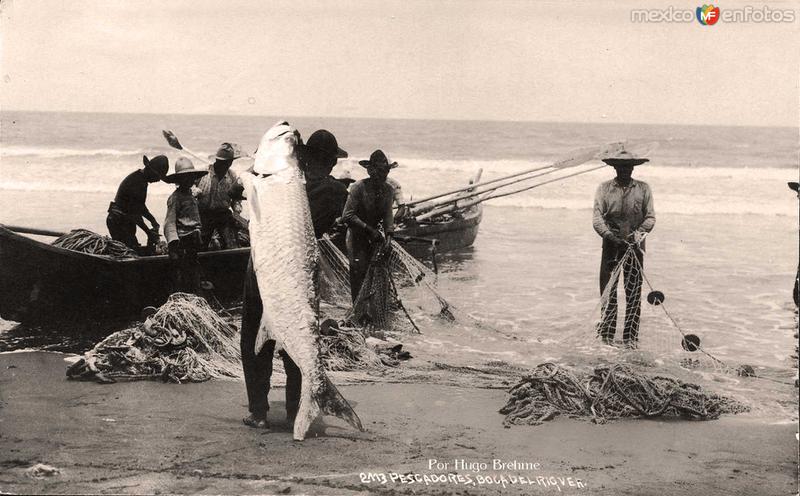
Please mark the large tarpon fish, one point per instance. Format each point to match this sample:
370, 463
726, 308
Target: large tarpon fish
284, 253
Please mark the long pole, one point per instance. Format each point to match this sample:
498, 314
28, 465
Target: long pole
477, 192
490, 196
577, 158
33, 230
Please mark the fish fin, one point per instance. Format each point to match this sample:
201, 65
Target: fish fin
331, 402
263, 335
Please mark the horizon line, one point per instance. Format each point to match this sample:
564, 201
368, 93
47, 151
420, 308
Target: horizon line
528, 121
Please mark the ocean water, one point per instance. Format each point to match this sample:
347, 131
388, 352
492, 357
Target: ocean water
724, 249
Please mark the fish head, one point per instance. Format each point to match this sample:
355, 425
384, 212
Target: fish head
277, 150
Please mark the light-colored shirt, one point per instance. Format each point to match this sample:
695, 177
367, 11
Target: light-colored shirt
183, 216
216, 193
369, 204
623, 209
398, 190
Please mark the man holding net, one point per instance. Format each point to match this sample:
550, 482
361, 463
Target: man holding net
623, 215
368, 207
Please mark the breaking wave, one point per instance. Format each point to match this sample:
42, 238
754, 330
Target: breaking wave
29, 151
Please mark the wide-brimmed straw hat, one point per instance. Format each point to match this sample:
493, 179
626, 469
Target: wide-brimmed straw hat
377, 159
624, 157
183, 168
227, 151
158, 164
322, 143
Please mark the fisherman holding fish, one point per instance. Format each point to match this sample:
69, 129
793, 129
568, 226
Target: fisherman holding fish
281, 309
128, 209
623, 215
219, 192
326, 195
368, 206
182, 227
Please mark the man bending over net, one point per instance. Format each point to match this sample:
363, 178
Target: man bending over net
623, 214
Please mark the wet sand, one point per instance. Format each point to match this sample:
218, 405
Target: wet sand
149, 438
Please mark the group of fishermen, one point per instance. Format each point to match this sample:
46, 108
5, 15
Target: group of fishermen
204, 210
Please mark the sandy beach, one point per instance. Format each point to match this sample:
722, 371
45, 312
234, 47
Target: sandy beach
151, 438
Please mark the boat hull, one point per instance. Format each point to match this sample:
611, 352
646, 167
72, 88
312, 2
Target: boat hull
450, 236
44, 284
41, 283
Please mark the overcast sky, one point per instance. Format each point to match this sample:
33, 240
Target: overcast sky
498, 60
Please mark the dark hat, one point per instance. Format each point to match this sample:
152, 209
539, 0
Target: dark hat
377, 159
227, 151
323, 143
158, 164
794, 186
624, 157
184, 167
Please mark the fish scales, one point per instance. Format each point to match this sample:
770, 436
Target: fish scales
285, 260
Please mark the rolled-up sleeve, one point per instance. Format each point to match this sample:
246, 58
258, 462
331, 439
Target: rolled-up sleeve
171, 221
598, 222
649, 211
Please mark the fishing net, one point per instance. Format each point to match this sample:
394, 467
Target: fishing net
183, 341
626, 329
345, 347
393, 279
86, 241
607, 393
631, 322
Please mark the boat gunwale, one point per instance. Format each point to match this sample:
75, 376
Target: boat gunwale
104, 259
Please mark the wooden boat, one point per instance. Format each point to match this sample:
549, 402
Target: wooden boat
456, 232
41, 283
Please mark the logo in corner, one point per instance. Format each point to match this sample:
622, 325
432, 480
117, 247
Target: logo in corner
707, 15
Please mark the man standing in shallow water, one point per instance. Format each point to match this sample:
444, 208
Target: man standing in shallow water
623, 215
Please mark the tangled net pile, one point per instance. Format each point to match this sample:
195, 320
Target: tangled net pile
609, 393
86, 241
345, 348
184, 341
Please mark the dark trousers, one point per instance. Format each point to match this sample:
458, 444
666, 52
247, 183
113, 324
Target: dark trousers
121, 228
359, 250
632, 278
258, 366
186, 267
221, 221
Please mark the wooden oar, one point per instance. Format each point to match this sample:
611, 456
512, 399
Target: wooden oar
452, 208
172, 140
174, 143
33, 230
577, 157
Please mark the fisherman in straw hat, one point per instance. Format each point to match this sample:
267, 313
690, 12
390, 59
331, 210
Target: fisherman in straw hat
623, 215
182, 227
368, 207
219, 192
129, 210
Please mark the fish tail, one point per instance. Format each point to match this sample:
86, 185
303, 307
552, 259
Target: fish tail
331, 402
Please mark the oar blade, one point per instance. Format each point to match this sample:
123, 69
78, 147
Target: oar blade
172, 139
